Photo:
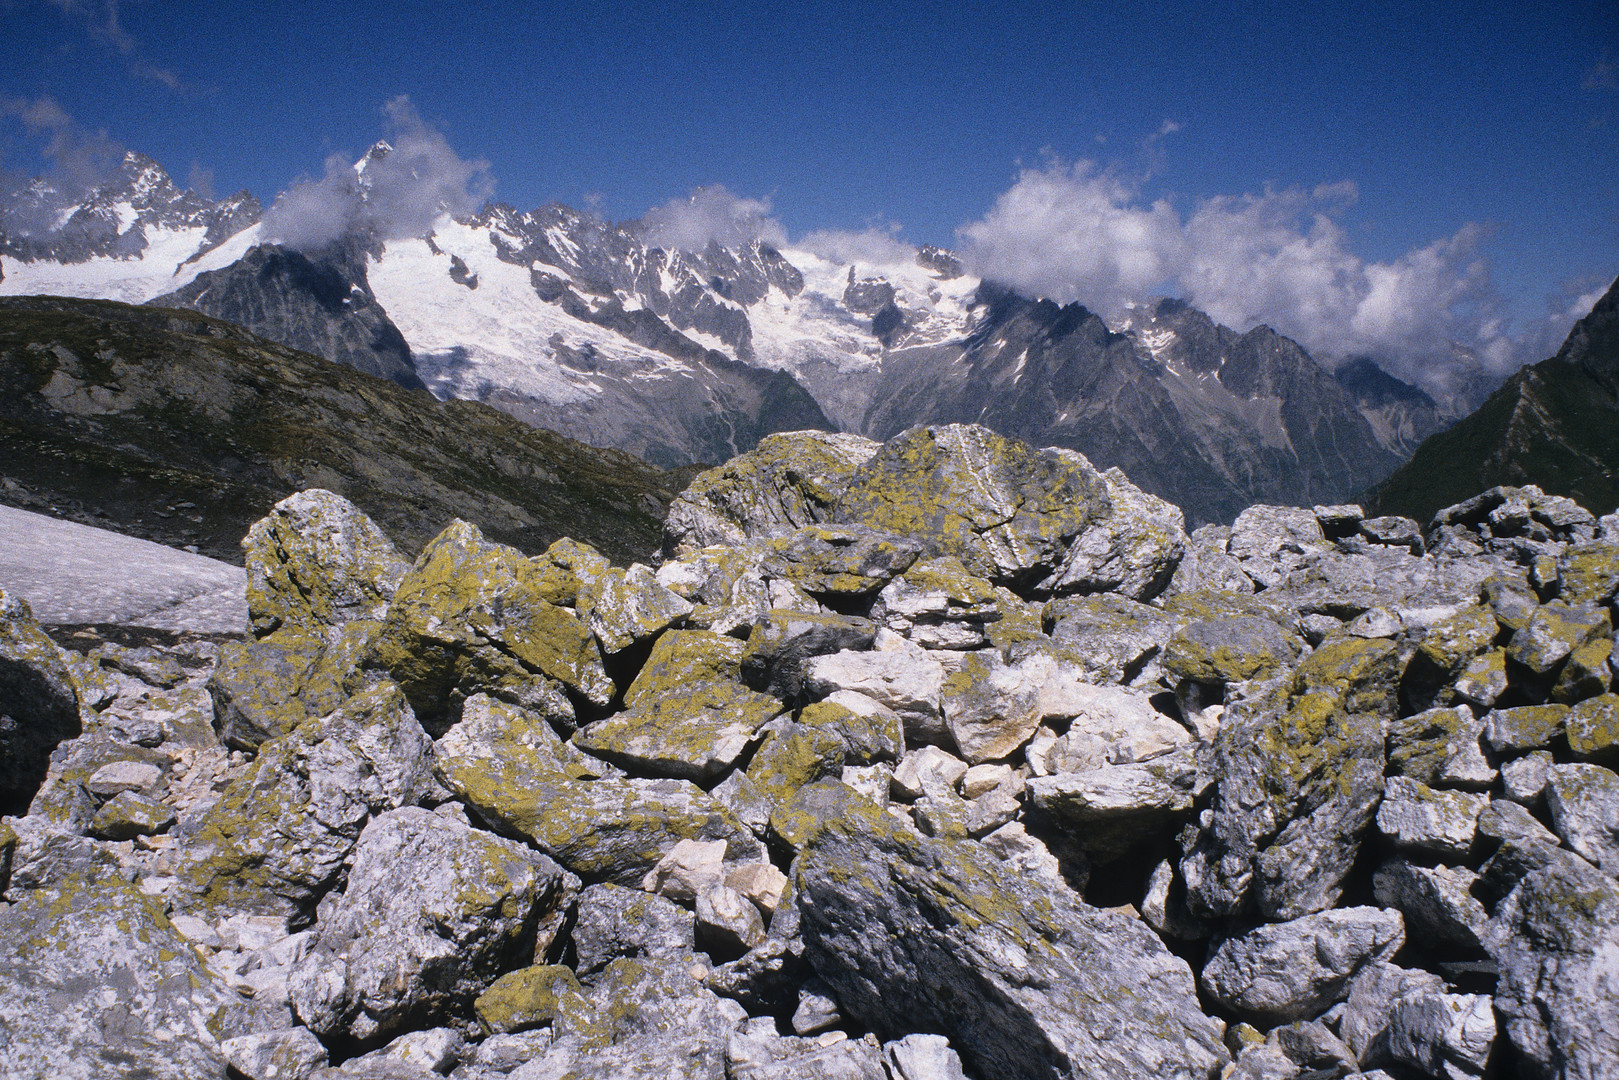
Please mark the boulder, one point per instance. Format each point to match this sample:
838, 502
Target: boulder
315, 563
939, 605
644, 1020
614, 922
1269, 542
528, 998
782, 642
838, 562
990, 708
623, 607
904, 678
433, 912
611, 829
1592, 729
1294, 970
1584, 805
1554, 939
96, 982
1437, 902
1439, 746
1421, 820
1553, 632
914, 934
1230, 649
1007, 512
1406, 1019
1132, 549
757, 1053
1588, 573
1108, 809
470, 617
1299, 776
1112, 639
686, 731
285, 1054
279, 835
791, 479
39, 703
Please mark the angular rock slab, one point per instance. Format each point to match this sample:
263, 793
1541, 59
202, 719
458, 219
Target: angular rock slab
433, 912
1294, 970
791, 479
1299, 780
1027, 980
1006, 511
95, 982
606, 830
1555, 939
316, 562
472, 616
278, 837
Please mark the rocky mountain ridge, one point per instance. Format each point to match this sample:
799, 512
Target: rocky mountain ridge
1555, 423
176, 427
610, 334
936, 758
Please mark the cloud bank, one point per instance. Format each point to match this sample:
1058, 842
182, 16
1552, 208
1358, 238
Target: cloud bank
76, 161
1281, 258
392, 195
712, 215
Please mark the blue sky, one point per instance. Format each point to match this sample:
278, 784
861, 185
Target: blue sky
1471, 151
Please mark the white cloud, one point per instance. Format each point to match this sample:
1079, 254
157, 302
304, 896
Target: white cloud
1280, 258
397, 194
868, 247
1076, 234
712, 215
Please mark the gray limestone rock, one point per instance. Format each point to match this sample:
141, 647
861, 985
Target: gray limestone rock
1132, 551
923, 1057
279, 835
95, 982
287, 1054
472, 616
1524, 780
1437, 902
916, 934
39, 703
1554, 631
904, 678
128, 815
756, 1052
433, 911
1271, 541
838, 561
1298, 778
789, 480
1592, 729
316, 562
614, 922
1422, 820
623, 607
1439, 746
1108, 809
1008, 512
1526, 727
1584, 805
1554, 939
1112, 639
782, 642
1294, 970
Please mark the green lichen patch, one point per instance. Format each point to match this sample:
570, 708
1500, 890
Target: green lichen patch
528, 998
1592, 728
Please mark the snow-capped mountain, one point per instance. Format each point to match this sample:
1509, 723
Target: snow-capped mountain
596, 330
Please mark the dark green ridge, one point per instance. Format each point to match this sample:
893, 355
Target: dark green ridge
1554, 424
114, 415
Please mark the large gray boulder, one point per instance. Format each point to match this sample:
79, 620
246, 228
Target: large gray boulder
1294, 970
915, 934
791, 479
317, 562
1555, 939
39, 703
1299, 778
279, 836
1043, 521
95, 982
473, 616
433, 912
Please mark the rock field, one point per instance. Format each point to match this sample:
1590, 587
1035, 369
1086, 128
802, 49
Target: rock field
939, 758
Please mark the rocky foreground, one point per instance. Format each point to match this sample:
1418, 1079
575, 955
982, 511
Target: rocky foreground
939, 758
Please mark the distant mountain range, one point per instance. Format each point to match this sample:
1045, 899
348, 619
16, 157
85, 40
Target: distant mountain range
595, 331
1554, 424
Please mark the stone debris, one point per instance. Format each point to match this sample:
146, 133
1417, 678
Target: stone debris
937, 759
